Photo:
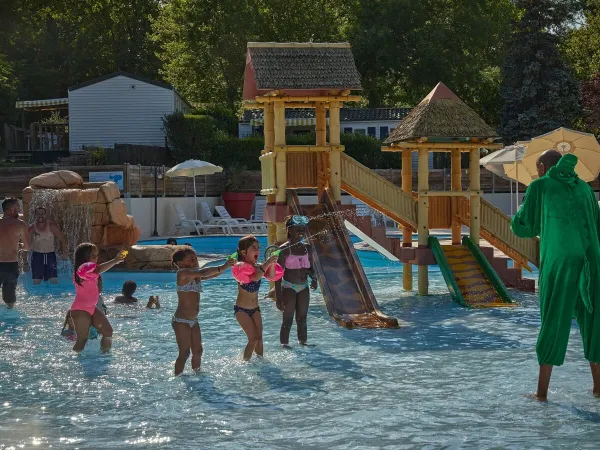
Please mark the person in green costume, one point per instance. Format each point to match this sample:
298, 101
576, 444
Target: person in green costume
563, 211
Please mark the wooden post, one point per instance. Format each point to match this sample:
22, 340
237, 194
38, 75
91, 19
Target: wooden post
141, 179
335, 159
407, 270
323, 158
455, 185
126, 181
280, 165
165, 182
269, 130
423, 216
475, 185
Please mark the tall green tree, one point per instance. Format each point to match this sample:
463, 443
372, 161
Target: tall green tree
538, 87
582, 45
403, 48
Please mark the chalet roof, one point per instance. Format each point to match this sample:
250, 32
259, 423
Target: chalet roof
441, 115
303, 66
121, 74
346, 114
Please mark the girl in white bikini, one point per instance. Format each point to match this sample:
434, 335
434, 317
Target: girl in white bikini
185, 320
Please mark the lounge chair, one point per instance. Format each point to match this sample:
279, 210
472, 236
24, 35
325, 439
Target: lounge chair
185, 223
240, 223
258, 217
212, 220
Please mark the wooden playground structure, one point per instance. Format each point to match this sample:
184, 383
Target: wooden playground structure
322, 76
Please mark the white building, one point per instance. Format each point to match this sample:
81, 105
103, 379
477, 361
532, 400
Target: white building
120, 108
374, 122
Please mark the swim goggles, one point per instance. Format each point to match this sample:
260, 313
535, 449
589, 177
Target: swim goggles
299, 221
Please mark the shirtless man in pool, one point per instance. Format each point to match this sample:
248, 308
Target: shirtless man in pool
12, 230
43, 234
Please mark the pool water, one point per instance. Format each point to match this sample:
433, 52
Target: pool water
452, 378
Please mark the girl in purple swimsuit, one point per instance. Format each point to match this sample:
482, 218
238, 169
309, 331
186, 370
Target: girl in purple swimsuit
246, 309
292, 290
185, 320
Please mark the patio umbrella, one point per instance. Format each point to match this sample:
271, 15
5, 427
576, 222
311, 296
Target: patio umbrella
583, 145
192, 168
504, 163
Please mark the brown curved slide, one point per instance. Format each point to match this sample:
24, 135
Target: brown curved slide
346, 290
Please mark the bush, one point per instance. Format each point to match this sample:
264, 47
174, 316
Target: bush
224, 118
95, 156
190, 136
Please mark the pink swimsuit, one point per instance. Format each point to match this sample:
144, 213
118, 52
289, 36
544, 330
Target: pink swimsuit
297, 262
86, 294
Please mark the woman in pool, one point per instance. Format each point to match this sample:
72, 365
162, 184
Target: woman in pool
291, 291
185, 320
246, 309
84, 311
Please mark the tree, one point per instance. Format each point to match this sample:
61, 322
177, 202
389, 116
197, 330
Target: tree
403, 48
538, 87
582, 45
590, 104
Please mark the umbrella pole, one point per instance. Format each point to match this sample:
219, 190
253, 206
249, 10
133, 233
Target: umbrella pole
195, 207
517, 187
511, 198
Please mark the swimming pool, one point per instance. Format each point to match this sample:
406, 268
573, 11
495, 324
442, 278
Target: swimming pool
452, 378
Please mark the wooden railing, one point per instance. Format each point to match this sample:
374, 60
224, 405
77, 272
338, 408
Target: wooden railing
301, 169
269, 182
495, 228
377, 192
38, 137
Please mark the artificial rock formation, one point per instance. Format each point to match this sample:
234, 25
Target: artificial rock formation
63, 189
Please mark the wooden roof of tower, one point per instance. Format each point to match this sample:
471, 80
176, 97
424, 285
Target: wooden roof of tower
441, 116
299, 69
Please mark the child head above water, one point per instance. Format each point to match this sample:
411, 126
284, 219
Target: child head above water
185, 258
295, 232
128, 289
248, 249
85, 252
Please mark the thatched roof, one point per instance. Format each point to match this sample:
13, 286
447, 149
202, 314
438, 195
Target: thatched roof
441, 115
300, 66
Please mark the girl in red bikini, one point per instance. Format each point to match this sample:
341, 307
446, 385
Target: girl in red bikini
292, 291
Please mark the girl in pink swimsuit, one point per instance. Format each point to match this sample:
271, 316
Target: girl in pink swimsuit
83, 310
292, 291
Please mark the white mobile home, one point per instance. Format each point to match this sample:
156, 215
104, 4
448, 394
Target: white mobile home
120, 108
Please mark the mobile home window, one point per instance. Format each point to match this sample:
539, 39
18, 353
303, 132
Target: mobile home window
372, 131
384, 132
360, 131
348, 130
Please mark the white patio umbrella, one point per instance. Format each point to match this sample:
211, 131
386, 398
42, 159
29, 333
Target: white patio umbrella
505, 163
192, 168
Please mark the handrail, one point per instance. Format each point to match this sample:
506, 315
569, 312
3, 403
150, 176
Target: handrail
377, 192
495, 228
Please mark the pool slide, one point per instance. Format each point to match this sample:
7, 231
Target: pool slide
471, 280
344, 285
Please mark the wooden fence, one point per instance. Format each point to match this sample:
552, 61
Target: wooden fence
138, 181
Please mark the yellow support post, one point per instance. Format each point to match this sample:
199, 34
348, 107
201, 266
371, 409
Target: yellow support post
269, 146
323, 158
335, 159
455, 185
407, 270
423, 217
475, 185
280, 166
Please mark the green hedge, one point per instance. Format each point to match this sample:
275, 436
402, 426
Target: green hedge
199, 137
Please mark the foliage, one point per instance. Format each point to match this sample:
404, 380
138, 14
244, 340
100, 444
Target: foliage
190, 136
95, 156
55, 118
8, 89
538, 87
582, 45
590, 103
235, 175
225, 119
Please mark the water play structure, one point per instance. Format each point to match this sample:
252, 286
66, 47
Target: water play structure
322, 76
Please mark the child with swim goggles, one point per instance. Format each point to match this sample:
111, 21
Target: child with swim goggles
185, 320
292, 293
84, 311
248, 273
